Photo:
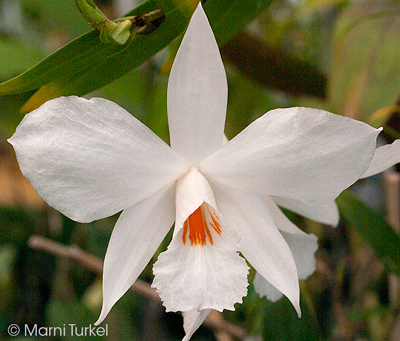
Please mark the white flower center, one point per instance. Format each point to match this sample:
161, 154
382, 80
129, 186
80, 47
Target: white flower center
197, 216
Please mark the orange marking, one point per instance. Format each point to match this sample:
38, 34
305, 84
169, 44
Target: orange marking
215, 224
198, 226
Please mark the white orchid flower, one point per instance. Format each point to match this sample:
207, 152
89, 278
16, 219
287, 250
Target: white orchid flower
90, 159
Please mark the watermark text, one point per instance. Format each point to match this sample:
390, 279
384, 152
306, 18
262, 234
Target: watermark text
70, 329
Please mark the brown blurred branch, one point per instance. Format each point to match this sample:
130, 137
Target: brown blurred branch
270, 67
223, 330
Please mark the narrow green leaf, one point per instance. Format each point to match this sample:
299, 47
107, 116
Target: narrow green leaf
373, 228
86, 64
87, 55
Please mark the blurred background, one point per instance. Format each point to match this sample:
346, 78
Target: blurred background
338, 55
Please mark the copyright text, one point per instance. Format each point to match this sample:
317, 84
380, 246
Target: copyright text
70, 329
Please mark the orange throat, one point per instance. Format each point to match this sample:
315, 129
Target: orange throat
200, 224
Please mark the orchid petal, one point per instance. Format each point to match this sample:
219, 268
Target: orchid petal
210, 276
265, 289
384, 157
303, 247
301, 244
260, 241
299, 153
282, 222
139, 231
327, 213
90, 159
192, 320
197, 93
192, 190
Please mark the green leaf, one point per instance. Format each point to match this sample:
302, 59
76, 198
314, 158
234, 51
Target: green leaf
86, 64
373, 228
